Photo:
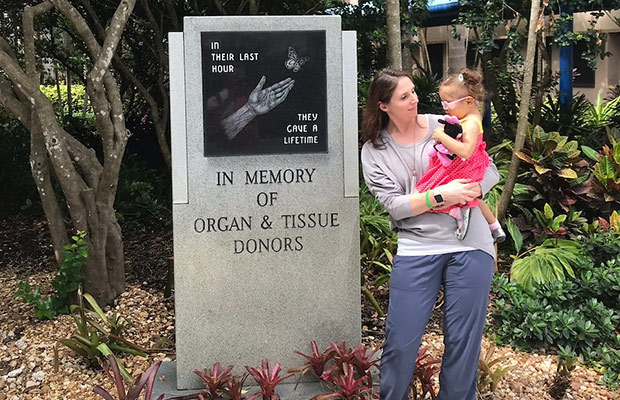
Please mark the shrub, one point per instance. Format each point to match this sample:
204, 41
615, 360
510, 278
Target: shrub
581, 313
61, 105
143, 195
65, 283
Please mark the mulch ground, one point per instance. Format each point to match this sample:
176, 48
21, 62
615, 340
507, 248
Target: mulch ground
27, 363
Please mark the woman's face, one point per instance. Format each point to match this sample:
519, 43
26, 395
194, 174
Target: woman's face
404, 101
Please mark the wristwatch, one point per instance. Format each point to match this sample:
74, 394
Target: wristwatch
438, 197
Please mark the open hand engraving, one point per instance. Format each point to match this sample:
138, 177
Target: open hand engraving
261, 101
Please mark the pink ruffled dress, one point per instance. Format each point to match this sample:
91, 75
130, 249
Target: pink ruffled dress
472, 168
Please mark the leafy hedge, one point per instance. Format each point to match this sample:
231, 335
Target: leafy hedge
582, 313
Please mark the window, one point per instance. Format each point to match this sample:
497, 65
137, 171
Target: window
436, 56
585, 75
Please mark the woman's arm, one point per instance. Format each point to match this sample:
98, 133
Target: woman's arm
466, 146
383, 184
491, 178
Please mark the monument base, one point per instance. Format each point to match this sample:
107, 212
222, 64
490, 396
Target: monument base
166, 382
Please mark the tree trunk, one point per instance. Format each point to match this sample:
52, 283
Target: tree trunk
541, 83
87, 185
526, 90
393, 33
424, 56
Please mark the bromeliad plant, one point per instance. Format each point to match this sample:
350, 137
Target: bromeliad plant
144, 383
488, 376
218, 383
98, 335
348, 387
426, 369
316, 361
349, 371
567, 361
267, 380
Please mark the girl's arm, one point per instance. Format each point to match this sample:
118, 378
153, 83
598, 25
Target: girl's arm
466, 146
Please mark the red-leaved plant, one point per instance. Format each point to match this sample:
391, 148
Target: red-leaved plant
349, 388
144, 382
364, 360
316, 361
343, 354
426, 367
217, 384
215, 380
267, 380
234, 387
349, 373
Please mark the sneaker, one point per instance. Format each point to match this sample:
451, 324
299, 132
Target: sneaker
461, 232
498, 235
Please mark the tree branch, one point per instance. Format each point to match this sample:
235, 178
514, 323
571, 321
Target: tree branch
9, 100
113, 36
29, 52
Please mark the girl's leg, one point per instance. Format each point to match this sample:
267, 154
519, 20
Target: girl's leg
496, 229
486, 211
414, 285
466, 284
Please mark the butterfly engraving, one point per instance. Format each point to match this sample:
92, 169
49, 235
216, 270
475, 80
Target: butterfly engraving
293, 62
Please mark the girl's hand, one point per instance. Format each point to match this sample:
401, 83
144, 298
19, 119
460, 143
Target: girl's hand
439, 134
459, 191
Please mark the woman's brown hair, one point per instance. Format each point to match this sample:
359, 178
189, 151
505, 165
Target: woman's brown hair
381, 89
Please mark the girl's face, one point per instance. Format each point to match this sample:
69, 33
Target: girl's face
455, 102
404, 101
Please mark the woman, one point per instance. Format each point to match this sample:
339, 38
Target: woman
394, 158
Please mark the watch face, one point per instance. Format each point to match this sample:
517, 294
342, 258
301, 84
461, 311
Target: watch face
439, 198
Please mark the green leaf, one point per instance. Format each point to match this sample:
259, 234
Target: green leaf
548, 212
515, 234
590, 152
557, 222
93, 303
105, 350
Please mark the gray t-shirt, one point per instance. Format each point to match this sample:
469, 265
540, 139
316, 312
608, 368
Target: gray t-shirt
388, 171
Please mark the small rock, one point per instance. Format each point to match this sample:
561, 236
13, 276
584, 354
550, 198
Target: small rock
20, 344
516, 387
31, 384
15, 373
39, 376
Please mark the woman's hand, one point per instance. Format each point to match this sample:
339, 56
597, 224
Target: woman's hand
459, 191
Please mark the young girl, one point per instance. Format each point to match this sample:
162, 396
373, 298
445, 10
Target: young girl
460, 95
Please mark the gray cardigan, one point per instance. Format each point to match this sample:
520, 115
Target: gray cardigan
388, 172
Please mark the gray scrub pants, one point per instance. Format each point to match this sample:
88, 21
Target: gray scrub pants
414, 285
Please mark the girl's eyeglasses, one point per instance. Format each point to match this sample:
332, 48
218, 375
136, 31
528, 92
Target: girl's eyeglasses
446, 104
